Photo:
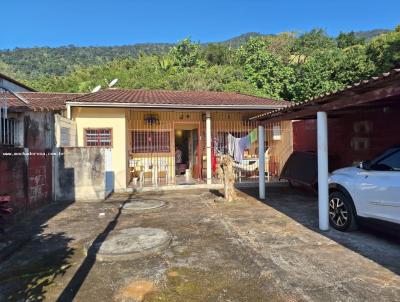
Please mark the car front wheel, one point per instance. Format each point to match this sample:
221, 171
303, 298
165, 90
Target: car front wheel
341, 212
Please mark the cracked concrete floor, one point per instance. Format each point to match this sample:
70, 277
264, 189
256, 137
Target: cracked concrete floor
241, 251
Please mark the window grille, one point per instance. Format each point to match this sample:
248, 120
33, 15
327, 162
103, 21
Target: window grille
98, 137
8, 131
151, 142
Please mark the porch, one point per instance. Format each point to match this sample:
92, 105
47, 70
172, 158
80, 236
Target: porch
170, 149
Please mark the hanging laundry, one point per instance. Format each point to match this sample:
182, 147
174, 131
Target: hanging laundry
231, 144
241, 144
253, 136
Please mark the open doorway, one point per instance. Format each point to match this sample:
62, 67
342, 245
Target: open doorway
182, 142
186, 153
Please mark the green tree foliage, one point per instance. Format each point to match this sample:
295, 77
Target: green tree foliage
281, 45
345, 40
34, 62
263, 69
310, 42
316, 75
384, 51
330, 70
217, 54
186, 54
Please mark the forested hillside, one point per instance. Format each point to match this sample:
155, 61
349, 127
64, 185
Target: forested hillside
285, 66
29, 63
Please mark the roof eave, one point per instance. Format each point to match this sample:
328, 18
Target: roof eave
173, 106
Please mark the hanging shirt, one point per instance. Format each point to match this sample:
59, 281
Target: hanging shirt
253, 136
241, 144
231, 145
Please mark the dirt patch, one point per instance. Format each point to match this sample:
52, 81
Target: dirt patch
136, 291
186, 285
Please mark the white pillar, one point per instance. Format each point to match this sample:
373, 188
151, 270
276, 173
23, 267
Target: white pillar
323, 188
261, 164
68, 111
208, 146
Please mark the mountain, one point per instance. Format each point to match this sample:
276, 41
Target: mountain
31, 63
370, 34
39, 61
236, 42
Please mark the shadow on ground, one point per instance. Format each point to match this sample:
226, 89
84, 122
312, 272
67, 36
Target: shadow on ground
37, 257
81, 274
378, 246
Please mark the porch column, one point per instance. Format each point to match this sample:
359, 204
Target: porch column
208, 146
261, 163
323, 188
68, 111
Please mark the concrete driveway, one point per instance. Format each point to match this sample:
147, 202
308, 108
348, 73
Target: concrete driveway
241, 251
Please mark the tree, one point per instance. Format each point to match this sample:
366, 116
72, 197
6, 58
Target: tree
185, 54
354, 65
263, 69
384, 51
316, 75
313, 41
281, 44
217, 54
345, 40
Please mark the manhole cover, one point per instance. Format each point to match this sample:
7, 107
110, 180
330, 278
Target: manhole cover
143, 205
130, 244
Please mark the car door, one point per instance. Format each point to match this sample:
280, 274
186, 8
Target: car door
378, 188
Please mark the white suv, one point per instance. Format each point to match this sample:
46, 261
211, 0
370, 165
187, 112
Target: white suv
369, 191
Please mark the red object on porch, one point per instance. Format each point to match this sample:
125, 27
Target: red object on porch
213, 160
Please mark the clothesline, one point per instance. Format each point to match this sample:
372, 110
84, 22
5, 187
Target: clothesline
236, 146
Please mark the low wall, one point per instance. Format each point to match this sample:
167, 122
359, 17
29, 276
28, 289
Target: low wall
79, 174
26, 178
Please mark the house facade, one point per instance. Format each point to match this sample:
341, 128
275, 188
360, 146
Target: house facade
27, 138
162, 138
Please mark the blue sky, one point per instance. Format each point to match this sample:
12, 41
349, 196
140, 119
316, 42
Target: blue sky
118, 22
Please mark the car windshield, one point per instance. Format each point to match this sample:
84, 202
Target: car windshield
388, 161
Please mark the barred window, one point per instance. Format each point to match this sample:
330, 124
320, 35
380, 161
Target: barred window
101, 137
151, 141
8, 131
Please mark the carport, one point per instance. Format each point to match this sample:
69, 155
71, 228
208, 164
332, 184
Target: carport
354, 124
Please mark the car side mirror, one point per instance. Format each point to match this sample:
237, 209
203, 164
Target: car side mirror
365, 165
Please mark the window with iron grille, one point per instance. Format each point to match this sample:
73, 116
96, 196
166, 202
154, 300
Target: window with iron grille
100, 137
151, 141
8, 131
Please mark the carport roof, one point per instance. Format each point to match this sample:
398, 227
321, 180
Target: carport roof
376, 91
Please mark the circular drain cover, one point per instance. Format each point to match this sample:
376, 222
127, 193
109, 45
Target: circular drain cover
143, 205
130, 244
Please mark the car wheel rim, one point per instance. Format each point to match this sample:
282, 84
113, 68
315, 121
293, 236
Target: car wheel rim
338, 212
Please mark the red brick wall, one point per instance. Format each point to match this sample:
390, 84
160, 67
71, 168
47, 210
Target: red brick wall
29, 185
376, 129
